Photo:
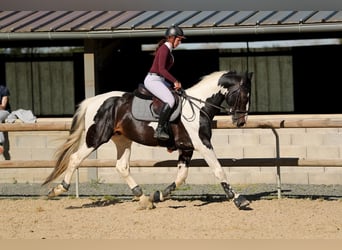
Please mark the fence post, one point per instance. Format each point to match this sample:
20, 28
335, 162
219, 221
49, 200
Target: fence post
277, 162
77, 183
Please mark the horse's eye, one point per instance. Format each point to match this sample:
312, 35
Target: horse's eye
231, 99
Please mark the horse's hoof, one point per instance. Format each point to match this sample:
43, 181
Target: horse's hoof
59, 189
135, 198
241, 202
145, 202
51, 193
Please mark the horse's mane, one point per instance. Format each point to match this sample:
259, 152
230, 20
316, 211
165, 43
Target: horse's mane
212, 78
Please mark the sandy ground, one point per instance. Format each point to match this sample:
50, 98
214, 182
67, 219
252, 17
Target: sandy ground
101, 218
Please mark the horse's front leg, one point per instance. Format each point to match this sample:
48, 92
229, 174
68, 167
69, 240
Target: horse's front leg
123, 146
182, 173
239, 200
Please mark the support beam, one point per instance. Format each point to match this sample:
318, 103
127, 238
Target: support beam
89, 75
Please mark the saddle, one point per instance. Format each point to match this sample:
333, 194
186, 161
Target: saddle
147, 107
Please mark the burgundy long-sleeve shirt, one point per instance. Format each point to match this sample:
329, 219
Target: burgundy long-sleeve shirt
162, 63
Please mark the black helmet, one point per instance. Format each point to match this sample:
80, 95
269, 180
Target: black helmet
174, 30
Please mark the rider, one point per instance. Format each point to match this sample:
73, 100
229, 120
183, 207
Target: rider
159, 80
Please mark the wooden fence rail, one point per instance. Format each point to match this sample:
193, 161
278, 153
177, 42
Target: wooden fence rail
256, 122
221, 122
38, 126
225, 162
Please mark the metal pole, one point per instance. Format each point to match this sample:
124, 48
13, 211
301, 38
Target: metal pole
277, 162
77, 183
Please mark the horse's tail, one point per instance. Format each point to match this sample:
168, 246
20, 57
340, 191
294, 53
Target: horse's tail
71, 145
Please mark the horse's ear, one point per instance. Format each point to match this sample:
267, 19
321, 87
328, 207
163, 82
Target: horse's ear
250, 75
247, 75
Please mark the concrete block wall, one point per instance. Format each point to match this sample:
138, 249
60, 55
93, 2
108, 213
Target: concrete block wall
313, 143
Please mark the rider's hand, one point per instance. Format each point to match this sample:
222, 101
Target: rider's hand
177, 85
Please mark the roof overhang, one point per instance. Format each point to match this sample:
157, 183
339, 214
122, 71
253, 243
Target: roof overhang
146, 33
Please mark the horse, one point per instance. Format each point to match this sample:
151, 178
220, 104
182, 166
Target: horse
110, 116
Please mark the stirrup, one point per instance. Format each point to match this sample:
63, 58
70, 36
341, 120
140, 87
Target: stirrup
162, 137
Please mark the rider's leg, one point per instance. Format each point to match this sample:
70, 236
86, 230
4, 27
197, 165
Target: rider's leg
161, 132
159, 87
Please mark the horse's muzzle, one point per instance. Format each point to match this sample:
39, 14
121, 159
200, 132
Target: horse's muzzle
239, 121
240, 124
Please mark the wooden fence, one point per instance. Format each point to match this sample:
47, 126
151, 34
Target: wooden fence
260, 122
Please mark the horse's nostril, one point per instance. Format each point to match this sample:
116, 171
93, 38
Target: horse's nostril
240, 124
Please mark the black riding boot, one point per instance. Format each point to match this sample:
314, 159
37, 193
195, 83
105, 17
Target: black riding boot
161, 131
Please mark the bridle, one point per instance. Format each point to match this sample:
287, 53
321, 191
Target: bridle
231, 110
237, 88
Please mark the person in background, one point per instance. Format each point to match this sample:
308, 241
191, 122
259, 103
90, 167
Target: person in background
5, 110
159, 80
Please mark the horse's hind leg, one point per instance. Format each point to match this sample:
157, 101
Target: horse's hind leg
182, 173
75, 160
123, 146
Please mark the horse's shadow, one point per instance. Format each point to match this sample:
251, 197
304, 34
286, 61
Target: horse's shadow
206, 199
261, 195
210, 198
97, 203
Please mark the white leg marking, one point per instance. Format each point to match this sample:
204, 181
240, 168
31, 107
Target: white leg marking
214, 164
182, 174
75, 161
123, 147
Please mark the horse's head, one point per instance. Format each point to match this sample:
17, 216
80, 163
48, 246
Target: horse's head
237, 95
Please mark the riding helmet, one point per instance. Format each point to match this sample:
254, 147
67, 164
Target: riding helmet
174, 30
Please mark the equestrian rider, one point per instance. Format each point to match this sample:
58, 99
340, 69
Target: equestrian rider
159, 80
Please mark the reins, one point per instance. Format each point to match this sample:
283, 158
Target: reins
188, 98
191, 100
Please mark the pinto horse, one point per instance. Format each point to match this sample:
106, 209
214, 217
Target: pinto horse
109, 116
